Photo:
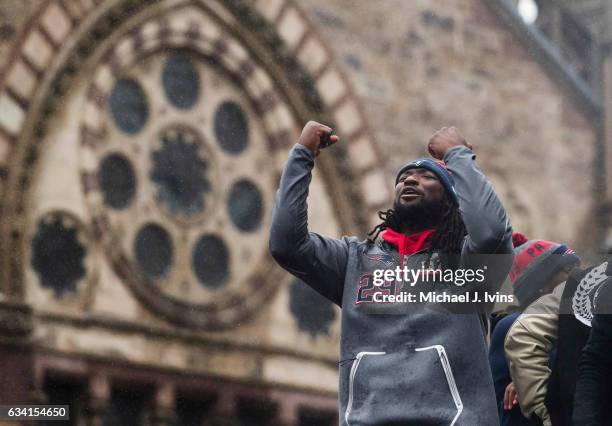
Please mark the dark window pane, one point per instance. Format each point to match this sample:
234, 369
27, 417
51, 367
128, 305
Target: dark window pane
126, 409
192, 411
179, 173
311, 417
60, 392
153, 250
57, 256
256, 413
312, 312
128, 106
211, 261
181, 82
245, 205
231, 127
117, 181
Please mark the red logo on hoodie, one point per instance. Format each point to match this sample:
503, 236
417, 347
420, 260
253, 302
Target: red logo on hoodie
367, 289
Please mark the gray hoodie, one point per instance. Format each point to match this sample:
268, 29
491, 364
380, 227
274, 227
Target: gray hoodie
420, 366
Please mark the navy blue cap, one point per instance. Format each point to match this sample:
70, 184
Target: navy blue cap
437, 167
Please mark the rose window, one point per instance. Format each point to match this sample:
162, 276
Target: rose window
179, 173
178, 177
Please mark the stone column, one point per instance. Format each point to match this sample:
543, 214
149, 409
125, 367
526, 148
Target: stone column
287, 413
17, 384
164, 410
225, 410
608, 22
99, 398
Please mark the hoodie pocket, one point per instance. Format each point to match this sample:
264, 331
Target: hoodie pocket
352, 374
450, 378
415, 387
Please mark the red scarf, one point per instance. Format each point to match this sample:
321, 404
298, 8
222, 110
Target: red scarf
408, 243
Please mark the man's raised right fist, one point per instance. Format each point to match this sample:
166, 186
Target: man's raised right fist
445, 139
316, 136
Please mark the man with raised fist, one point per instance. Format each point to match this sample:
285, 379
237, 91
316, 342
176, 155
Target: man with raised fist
416, 364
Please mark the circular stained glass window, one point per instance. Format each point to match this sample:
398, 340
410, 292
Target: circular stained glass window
211, 261
128, 105
245, 205
153, 250
180, 173
117, 180
57, 256
181, 82
313, 313
231, 127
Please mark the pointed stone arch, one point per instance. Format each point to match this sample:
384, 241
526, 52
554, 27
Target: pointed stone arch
60, 39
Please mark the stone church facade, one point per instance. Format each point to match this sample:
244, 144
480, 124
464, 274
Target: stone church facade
141, 143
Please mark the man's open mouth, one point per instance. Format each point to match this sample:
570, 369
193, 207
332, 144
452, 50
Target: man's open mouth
409, 194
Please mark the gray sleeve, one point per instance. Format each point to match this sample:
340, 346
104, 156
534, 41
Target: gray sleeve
488, 227
317, 260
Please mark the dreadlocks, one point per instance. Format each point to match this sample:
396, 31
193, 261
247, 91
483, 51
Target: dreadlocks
389, 220
448, 235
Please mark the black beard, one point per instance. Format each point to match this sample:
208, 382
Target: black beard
423, 215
